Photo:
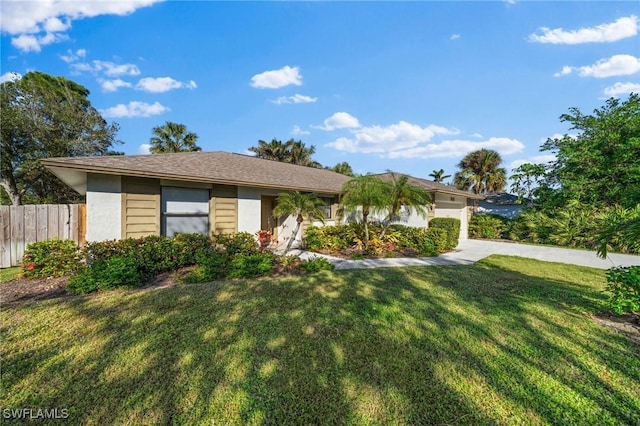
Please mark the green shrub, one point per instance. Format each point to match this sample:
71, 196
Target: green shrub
624, 285
317, 264
188, 245
238, 243
250, 266
488, 226
329, 238
439, 238
105, 274
50, 258
451, 225
211, 266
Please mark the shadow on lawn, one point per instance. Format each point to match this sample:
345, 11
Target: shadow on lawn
388, 346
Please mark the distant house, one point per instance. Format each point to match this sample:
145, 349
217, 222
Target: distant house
501, 204
165, 194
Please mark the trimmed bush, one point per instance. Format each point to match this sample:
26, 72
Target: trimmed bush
50, 258
488, 226
624, 285
439, 238
238, 243
251, 266
105, 274
451, 225
211, 265
317, 264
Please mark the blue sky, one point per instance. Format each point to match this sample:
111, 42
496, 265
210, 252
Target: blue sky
406, 86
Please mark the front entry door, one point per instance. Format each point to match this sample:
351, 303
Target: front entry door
268, 221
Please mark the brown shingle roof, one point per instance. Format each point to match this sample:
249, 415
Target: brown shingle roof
434, 186
211, 167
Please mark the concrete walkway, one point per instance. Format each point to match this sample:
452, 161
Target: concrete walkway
470, 251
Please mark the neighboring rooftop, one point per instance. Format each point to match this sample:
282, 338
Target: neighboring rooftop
503, 199
210, 167
434, 186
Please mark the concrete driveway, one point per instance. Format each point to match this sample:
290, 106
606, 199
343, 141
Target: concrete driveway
470, 251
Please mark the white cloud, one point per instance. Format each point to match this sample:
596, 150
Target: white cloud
135, 109
622, 28
55, 25
10, 76
32, 43
614, 66
295, 99
454, 37
340, 120
144, 149
107, 68
74, 56
113, 85
298, 131
538, 159
477, 135
622, 89
275, 79
458, 148
163, 84
565, 71
391, 141
27, 21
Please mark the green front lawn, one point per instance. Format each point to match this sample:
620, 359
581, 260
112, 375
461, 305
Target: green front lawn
508, 340
9, 274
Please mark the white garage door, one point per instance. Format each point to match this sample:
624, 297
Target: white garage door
457, 211
185, 211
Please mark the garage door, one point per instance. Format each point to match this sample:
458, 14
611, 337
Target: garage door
185, 211
454, 210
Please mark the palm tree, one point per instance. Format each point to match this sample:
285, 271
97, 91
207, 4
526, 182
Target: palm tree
405, 194
173, 137
439, 176
368, 193
480, 172
300, 205
274, 150
343, 168
300, 154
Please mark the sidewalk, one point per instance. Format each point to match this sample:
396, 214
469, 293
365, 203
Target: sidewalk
470, 251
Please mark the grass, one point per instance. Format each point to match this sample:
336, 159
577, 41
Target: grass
9, 274
506, 341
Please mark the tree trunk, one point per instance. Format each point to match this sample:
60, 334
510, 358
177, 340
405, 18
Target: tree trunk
365, 217
10, 187
293, 236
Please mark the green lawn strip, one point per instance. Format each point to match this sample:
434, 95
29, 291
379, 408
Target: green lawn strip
508, 340
9, 274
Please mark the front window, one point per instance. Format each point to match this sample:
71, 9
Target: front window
327, 207
185, 211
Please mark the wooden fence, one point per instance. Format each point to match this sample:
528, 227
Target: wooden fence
21, 225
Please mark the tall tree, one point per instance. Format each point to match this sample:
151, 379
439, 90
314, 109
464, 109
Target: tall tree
480, 172
301, 206
291, 151
301, 154
368, 193
404, 193
173, 137
274, 150
526, 178
439, 176
600, 165
343, 168
45, 116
